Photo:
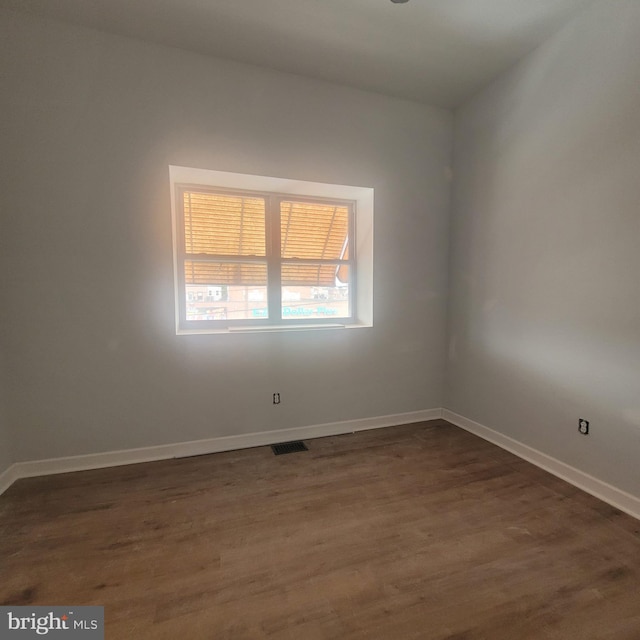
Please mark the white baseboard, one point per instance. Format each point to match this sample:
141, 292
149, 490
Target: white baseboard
616, 497
607, 493
200, 447
7, 478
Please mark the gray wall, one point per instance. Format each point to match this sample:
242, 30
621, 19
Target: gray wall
92, 122
545, 268
6, 456
5, 446
5, 450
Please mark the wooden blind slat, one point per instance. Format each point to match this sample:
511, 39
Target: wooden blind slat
312, 275
313, 230
230, 273
235, 225
217, 224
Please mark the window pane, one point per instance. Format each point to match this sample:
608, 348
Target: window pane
313, 230
212, 292
315, 291
225, 225
229, 273
319, 275
226, 302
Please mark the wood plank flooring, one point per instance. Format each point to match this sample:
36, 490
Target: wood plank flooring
422, 531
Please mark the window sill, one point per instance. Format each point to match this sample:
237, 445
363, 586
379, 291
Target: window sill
273, 329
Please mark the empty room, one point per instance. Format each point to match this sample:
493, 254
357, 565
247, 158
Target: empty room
320, 319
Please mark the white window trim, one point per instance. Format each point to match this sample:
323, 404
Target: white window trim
363, 197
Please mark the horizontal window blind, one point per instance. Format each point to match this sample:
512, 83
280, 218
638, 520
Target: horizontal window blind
223, 225
217, 273
313, 230
314, 275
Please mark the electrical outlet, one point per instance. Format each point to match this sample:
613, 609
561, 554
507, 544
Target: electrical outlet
276, 398
583, 426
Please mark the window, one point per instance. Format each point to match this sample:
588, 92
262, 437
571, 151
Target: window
251, 259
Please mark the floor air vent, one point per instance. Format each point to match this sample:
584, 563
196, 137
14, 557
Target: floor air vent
289, 447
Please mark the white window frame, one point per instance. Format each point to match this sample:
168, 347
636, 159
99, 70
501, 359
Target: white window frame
362, 197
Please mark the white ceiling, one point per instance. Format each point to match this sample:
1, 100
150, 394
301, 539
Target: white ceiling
435, 51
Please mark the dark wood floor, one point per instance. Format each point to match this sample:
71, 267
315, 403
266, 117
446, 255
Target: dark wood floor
422, 531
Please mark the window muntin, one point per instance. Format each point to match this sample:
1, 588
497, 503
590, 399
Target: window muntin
249, 258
